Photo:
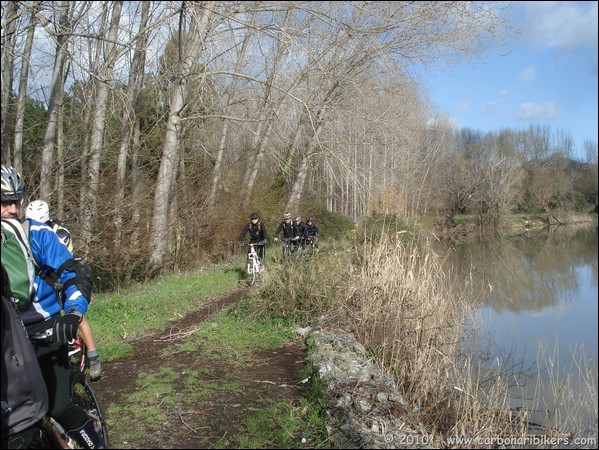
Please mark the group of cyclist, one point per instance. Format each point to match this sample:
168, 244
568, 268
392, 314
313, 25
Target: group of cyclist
295, 233
30, 250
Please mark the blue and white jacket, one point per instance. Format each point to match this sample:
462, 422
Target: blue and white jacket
50, 253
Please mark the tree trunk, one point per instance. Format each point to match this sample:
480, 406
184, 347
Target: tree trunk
22, 99
130, 113
57, 88
200, 16
90, 191
9, 37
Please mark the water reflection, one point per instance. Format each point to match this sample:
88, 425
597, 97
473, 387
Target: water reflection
539, 302
530, 272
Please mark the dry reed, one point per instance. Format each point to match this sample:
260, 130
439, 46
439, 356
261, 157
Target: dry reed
400, 304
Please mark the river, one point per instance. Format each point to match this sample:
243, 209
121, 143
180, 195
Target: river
539, 311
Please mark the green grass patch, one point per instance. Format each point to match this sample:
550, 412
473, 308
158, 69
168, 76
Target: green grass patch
279, 425
231, 337
146, 307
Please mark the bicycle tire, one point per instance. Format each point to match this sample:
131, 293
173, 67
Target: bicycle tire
84, 395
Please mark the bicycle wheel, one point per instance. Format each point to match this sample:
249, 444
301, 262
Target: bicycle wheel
250, 272
83, 395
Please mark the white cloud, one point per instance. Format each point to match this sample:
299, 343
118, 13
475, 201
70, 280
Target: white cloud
562, 25
528, 74
535, 111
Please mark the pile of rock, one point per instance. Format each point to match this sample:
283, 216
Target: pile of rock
364, 407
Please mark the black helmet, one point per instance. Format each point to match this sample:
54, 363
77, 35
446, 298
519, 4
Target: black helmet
13, 186
309, 219
253, 215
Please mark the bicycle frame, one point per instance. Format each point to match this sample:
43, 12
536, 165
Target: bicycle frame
311, 246
287, 246
252, 266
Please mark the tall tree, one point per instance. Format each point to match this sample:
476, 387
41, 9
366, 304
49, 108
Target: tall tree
9, 38
23, 79
130, 119
98, 125
200, 15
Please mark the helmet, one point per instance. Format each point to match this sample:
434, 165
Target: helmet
298, 218
13, 186
253, 215
309, 219
38, 210
286, 216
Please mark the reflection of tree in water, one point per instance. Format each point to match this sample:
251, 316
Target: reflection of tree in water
527, 272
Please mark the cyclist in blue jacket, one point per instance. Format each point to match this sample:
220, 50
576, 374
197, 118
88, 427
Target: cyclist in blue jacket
41, 311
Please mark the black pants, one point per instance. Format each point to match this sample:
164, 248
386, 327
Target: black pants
53, 359
32, 437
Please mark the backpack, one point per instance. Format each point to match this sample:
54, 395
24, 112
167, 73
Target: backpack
18, 260
62, 232
24, 394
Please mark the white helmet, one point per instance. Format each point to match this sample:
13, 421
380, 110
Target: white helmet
38, 210
286, 216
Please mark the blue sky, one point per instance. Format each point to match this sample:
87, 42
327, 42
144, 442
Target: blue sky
546, 75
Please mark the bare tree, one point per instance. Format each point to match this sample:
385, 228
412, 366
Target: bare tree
62, 32
24, 76
9, 38
397, 33
90, 190
200, 16
130, 120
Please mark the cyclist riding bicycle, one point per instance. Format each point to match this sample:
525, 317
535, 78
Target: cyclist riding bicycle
311, 231
289, 230
300, 230
258, 236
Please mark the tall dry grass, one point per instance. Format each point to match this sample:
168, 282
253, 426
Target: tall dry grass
402, 306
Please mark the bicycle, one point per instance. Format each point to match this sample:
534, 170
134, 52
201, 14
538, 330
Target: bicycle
287, 247
253, 265
310, 246
82, 393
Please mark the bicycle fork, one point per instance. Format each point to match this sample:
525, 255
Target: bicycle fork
57, 433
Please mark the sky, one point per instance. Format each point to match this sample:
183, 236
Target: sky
546, 75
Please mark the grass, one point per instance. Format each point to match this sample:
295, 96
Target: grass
230, 336
145, 307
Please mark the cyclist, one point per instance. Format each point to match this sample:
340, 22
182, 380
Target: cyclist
300, 230
311, 232
40, 211
258, 235
288, 228
40, 308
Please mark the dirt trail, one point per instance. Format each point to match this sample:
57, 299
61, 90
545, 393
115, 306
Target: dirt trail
214, 420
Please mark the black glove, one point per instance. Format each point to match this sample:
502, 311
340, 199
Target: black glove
66, 326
